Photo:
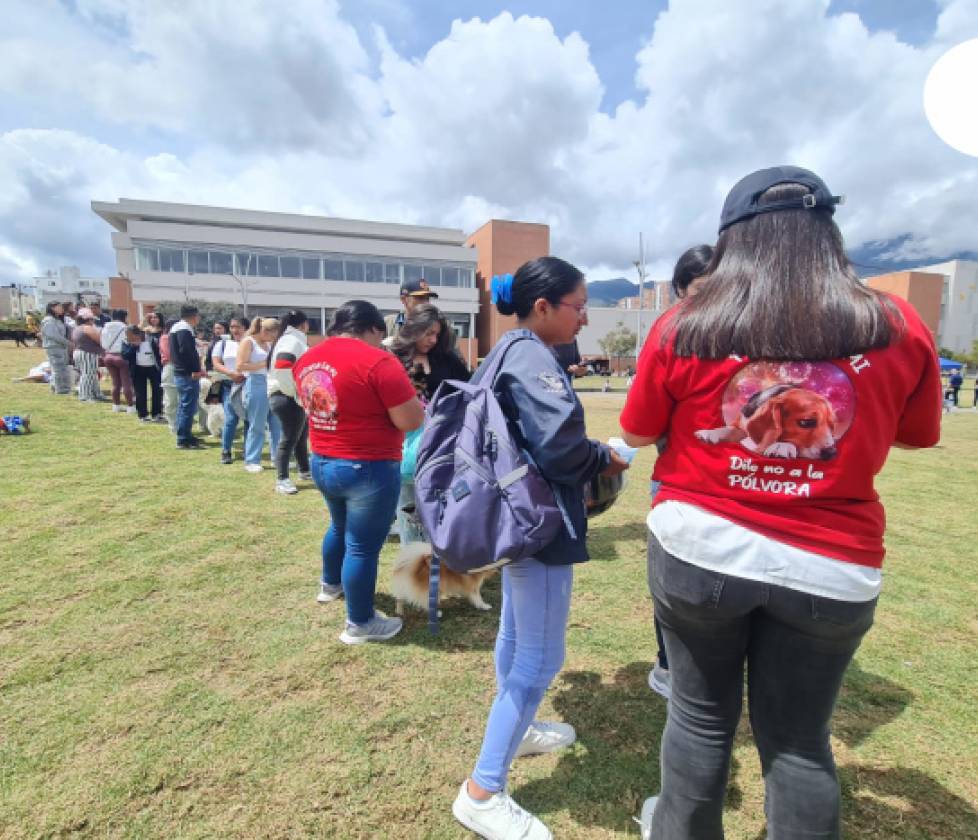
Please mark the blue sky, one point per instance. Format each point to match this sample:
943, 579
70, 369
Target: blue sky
602, 120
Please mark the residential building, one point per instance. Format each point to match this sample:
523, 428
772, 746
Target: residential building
15, 301
68, 284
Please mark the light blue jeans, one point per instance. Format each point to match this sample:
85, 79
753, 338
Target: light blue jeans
361, 497
230, 419
258, 416
529, 654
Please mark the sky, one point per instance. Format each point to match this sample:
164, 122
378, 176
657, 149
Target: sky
603, 120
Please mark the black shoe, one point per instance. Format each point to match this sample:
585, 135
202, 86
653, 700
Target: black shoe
190, 444
226, 458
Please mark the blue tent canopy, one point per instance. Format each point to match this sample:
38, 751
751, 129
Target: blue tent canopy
950, 364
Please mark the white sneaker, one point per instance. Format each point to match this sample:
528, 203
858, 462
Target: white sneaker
131, 409
498, 818
546, 736
328, 592
660, 681
305, 476
645, 821
378, 629
117, 408
286, 487
253, 468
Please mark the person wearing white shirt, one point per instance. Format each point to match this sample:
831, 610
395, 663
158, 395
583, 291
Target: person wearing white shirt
224, 359
286, 350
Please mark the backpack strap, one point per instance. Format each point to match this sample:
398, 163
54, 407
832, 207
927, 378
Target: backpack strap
433, 582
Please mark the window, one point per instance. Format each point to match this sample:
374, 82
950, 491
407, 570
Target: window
449, 277
310, 268
290, 266
466, 280
246, 265
172, 260
374, 272
392, 273
461, 327
432, 274
198, 262
334, 269
267, 265
147, 259
354, 271
221, 262
412, 272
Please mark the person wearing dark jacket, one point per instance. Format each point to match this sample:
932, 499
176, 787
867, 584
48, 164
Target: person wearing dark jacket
185, 359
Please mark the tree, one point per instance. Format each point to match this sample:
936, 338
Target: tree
621, 341
209, 312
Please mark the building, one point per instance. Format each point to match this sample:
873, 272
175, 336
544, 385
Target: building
946, 297
68, 284
15, 302
658, 295
269, 262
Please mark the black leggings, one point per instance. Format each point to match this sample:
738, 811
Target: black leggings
143, 376
295, 433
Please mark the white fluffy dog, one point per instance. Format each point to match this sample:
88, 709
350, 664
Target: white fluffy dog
210, 411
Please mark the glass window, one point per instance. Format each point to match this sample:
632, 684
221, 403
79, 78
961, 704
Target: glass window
432, 274
147, 259
354, 271
392, 273
467, 281
461, 327
267, 265
246, 265
374, 272
310, 268
290, 266
334, 269
221, 262
171, 260
198, 262
449, 277
412, 272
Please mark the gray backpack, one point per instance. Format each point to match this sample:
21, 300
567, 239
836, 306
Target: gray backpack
480, 497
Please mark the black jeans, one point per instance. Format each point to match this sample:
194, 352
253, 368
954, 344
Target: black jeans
796, 648
295, 434
142, 376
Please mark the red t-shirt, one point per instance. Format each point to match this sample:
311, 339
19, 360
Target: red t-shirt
346, 387
788, 449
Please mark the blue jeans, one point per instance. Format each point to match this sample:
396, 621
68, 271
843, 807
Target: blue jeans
796, 648
230, 419
529, 654
361, 497
188, 394
258, 416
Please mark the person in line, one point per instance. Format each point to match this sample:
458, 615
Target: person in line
100, 318
56, 340
152, 323
956, 381
145, 368
113, 337
413, 293
688, 274
70, 310
425, 349
87, 341
252, 362
218, 333
185, 358
287, 348
360, 403
549, 298
783, 383
224, 357
171, 399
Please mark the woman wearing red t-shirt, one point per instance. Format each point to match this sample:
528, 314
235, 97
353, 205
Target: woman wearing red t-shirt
360, 402
782, 386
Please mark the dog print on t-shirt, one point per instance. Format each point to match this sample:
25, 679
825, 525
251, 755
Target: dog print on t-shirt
786, 410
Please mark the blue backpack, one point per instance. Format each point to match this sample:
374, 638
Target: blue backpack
480, 497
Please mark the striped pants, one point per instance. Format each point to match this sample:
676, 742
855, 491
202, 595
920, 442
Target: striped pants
87, 364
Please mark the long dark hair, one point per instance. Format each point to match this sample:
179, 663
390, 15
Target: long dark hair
550, 278
49, 310
292, 318
356, 317
781, 288
421, 319
690, 266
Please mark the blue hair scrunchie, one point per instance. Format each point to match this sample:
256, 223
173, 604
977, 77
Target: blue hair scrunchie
502, 288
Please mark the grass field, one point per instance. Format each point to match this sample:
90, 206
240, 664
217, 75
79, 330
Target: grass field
165, 670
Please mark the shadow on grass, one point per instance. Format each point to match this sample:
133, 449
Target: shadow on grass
867, 701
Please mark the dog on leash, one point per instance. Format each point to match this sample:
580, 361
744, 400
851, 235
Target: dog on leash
412, 569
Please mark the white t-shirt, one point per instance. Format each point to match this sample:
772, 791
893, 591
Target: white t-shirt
226, 352
258, 354
113, 334
144, 354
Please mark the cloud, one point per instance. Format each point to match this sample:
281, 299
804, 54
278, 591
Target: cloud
284, 107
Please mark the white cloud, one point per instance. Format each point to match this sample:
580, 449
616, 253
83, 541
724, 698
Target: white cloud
278, 106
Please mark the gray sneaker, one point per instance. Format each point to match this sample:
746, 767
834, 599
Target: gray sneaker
645, 821
378, 629
329, 592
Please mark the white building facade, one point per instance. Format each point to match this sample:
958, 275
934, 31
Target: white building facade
68, 284
958, 326
277, 261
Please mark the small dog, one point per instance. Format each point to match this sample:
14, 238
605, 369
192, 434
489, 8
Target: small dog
209, 408
784, 421
409, 581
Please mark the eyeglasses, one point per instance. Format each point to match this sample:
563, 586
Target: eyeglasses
580, 308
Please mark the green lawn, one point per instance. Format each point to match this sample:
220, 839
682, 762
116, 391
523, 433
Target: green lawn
165, 670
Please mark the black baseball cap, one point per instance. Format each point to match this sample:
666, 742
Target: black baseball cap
741, 202
417, 288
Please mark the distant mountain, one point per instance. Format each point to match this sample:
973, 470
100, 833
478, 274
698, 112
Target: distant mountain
609, 292
874, 258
